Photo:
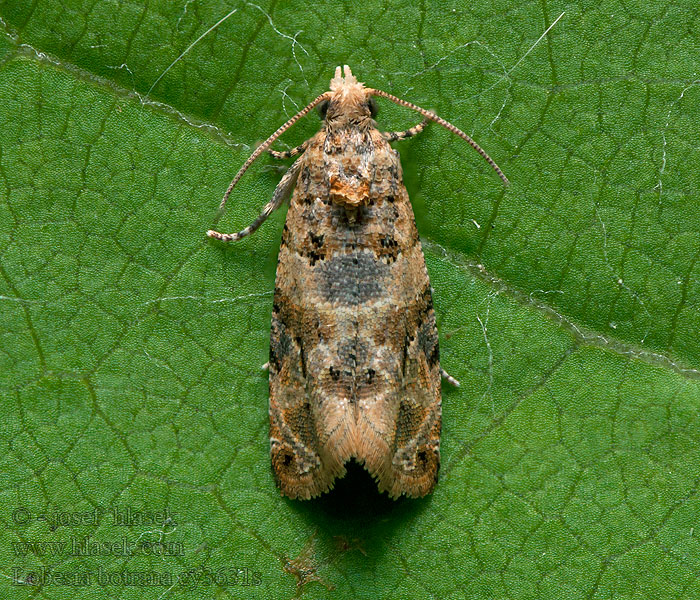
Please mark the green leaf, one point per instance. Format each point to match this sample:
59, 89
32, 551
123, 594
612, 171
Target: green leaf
568, 304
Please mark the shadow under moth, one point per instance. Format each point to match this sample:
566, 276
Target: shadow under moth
354, 362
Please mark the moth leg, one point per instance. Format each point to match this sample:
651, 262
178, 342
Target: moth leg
397, 136
289, 153
282, 192
448, 378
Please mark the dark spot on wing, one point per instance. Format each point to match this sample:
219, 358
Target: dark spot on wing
389, 248
353, 278
427, 330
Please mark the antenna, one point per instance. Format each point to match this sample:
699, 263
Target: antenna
447, 125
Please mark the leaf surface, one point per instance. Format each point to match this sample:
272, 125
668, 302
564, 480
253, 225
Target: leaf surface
568, 304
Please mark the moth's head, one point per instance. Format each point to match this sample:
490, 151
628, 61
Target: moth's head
349, 102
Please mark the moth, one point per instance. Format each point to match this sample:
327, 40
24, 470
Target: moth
354, 362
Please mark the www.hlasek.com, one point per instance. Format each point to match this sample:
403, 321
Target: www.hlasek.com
89, 546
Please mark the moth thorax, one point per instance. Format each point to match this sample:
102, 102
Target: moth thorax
350, 192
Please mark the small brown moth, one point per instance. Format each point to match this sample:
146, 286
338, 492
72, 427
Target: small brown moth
354, 361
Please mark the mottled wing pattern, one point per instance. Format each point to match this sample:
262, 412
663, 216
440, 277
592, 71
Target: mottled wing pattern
354, 360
